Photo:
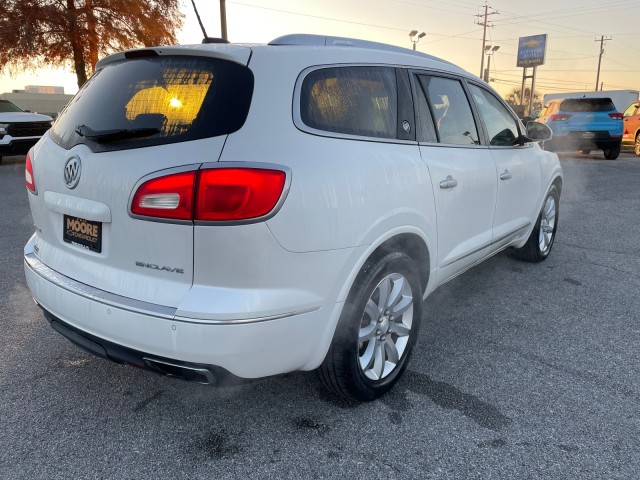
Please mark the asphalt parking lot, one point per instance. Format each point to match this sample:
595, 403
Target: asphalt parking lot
521, 371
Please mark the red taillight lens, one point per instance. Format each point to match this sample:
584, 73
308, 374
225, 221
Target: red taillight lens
166, 197
616, 116
227, 194
558, 117
29, 179
214, 194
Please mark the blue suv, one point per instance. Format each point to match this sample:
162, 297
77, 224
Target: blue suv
583, 124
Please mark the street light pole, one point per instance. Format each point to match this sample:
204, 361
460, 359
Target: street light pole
412, 35
490, 51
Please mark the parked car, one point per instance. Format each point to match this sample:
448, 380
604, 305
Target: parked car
631, 132
583, 124
215, 210
19, 130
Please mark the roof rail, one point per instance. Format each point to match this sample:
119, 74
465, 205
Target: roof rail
310, 40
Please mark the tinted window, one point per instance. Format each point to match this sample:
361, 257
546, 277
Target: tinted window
588, 105
451, 111
501, 127
161, 99
631, 110
352, 100
7, 106
426, 129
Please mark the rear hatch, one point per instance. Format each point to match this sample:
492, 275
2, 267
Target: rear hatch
141, 115
588, 115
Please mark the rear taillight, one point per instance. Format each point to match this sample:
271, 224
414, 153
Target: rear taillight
29, 179
558, 117
227, 194
616, 116
214, 194
170, 197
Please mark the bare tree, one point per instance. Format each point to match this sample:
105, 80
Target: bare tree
64, 33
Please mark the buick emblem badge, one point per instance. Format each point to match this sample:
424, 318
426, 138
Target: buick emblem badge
72, 168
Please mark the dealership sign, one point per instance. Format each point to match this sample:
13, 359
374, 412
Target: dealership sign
531, 50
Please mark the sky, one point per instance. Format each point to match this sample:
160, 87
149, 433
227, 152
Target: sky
572, 28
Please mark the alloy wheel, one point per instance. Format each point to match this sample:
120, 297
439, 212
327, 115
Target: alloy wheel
547, 224
385, 327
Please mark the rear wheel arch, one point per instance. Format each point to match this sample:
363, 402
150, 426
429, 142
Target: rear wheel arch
411, 244
369, 351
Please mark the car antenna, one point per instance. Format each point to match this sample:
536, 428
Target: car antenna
195, 9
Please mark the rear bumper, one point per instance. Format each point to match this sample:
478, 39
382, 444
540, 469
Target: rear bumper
588, 140
153, 337
195, 372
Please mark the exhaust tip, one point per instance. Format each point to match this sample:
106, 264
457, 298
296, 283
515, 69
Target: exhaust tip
185, 372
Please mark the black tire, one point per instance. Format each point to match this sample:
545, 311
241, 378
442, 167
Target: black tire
533, 250
636, 145
341, 372
584, 152
612, 153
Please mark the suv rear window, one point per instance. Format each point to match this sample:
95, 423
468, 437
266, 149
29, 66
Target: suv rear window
353, 100
588, 105
156, 100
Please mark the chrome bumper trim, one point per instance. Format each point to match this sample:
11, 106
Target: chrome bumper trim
136, 306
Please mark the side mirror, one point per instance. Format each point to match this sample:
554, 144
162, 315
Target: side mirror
538, 132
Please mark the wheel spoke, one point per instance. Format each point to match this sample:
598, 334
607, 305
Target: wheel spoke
396, 292
392, 351
367, 332
400, 329
371, 310
384, 288
378, 360
366, 359
551, 207
402, 306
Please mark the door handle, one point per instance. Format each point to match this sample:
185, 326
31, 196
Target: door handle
505, 175
448, 182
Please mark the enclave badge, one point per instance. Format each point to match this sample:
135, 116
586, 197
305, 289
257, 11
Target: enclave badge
72, 168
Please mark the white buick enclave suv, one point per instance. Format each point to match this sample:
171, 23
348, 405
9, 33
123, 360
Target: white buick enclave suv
225, 210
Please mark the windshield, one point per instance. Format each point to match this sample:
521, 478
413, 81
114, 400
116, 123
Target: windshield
7, 106
156, 100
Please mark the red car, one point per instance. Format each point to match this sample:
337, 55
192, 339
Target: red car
631, 131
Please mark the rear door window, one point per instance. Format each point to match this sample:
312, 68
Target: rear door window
450, 109
359, 101
588, 105
156, 100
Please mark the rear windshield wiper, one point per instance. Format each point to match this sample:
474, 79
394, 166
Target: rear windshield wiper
103, 136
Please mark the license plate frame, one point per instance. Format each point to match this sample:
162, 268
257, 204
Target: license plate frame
82, 232
588, 135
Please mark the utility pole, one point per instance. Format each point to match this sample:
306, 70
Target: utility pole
602, 40
484, 24
223, 19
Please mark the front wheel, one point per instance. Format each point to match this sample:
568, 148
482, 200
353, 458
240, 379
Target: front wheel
541, 240
612, 153
636, 145
377, 329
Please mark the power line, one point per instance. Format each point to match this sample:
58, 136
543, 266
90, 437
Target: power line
320, 17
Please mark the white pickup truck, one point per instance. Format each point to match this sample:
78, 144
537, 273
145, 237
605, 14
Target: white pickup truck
20, 130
